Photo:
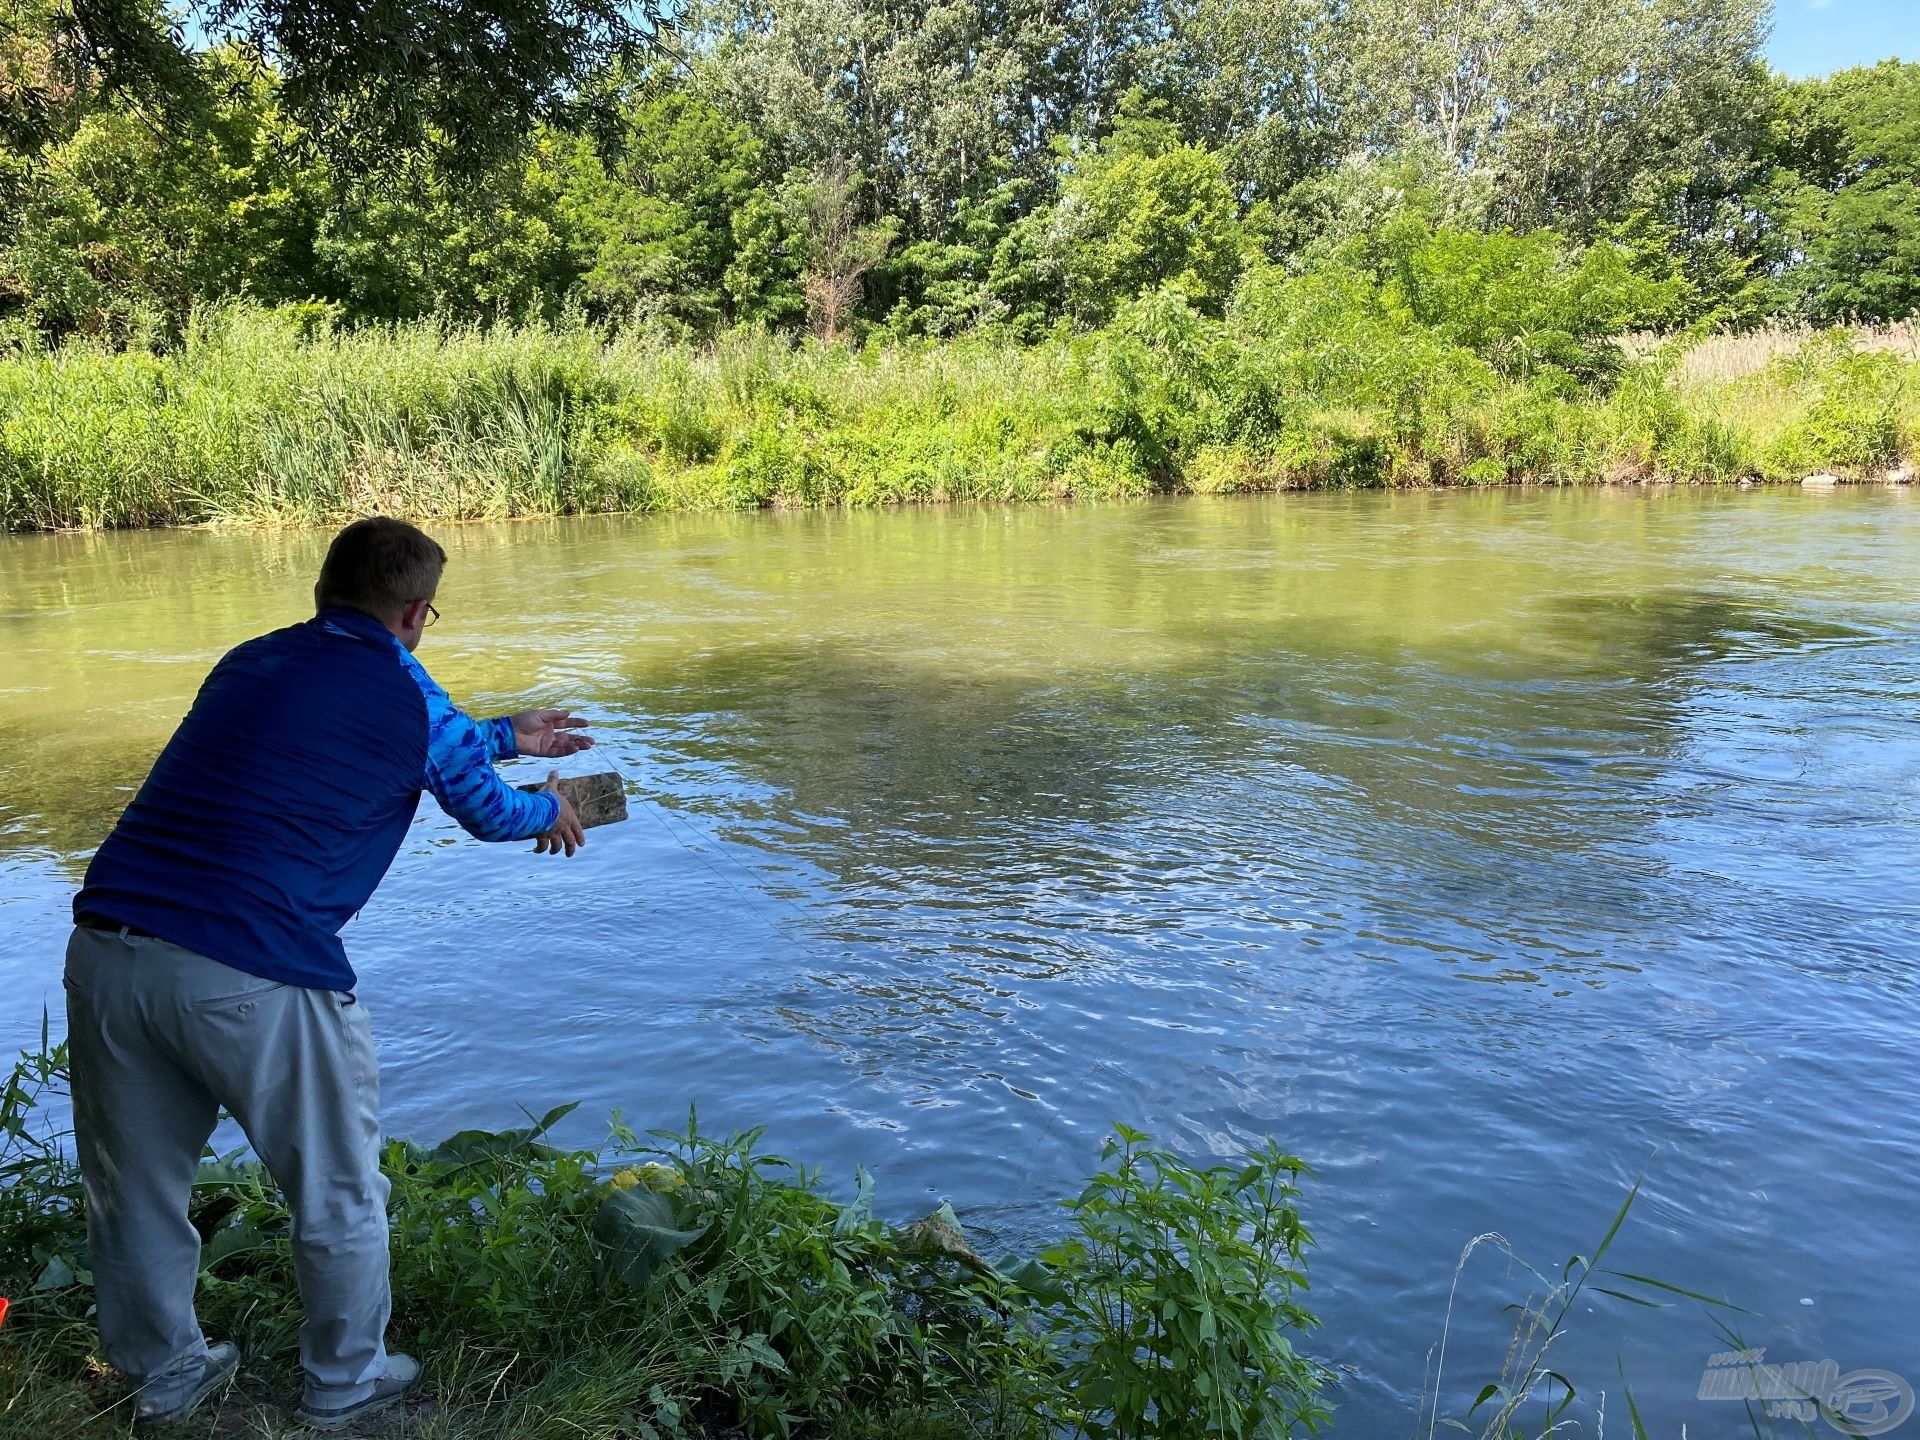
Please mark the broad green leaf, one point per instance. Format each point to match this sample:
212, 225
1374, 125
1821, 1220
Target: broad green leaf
230, 1240
636, 1231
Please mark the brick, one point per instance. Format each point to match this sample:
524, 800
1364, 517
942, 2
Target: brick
598, 799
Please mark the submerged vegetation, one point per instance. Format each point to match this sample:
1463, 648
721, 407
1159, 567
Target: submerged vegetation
679, 1284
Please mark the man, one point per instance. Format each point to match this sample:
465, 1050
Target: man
205, 968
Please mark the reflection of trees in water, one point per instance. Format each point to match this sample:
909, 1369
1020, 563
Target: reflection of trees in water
1657, 635
1277, 790
62, 814
1251, 789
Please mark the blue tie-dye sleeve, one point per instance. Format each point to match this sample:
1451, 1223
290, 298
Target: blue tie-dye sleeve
460, 773
498, 733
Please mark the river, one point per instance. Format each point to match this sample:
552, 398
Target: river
1490, 850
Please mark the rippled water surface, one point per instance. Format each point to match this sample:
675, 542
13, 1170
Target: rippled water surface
1490, 850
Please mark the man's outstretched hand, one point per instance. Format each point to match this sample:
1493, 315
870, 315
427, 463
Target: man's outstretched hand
549, 734
567, 833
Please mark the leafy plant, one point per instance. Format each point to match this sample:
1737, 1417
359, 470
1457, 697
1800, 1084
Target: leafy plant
1172, 1301
650, 1289
1313, 379
42, 1236
816, 1307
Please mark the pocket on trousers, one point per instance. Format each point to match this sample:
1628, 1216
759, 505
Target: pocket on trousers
240, 993
83, 947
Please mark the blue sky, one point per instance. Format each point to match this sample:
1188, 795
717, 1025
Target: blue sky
1811, 37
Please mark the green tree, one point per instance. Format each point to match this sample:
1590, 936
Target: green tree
947, 112
928, 104
1576, 110
1525, 301
380, 85
947, 285
762, 281
499, 248
1366, 193
1853, 203
56, 70
120, 230
675, 225
1524, 304
1142, 211
1033, 163
1270, 84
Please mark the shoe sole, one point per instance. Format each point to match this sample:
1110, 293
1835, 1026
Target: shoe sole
329, 1423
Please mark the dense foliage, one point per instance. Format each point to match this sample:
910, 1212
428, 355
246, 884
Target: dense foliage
681, 1284
920, 170
1166, 244
403, 81
1447, 357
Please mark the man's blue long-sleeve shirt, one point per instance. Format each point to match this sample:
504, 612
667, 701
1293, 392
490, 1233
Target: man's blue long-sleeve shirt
281, 800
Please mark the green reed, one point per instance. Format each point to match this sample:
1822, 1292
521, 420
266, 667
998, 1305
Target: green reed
255, 418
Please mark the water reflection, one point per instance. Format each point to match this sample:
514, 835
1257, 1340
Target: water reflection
1651, 634
1025, 822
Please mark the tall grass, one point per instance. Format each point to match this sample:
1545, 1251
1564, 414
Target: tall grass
1531, 1397
1719, 359
253, 420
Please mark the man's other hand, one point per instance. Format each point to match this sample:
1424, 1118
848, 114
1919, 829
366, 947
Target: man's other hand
548, 733
567, 832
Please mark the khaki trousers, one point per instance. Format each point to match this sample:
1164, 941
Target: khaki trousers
160, 1039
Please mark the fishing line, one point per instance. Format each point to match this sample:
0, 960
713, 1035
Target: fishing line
666, 820
1050, 1123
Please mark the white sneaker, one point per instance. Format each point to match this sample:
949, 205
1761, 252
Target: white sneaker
401, 1380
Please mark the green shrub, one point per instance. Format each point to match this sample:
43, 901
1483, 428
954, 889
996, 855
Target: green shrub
39, 1182
1852, 418
1172, 1300
1646, 430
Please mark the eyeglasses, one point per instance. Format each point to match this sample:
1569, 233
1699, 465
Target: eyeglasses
432, 615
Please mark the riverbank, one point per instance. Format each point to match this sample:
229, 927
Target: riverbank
268, 417
680, 1284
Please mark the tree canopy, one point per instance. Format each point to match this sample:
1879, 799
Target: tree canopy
925, 168
365, 79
